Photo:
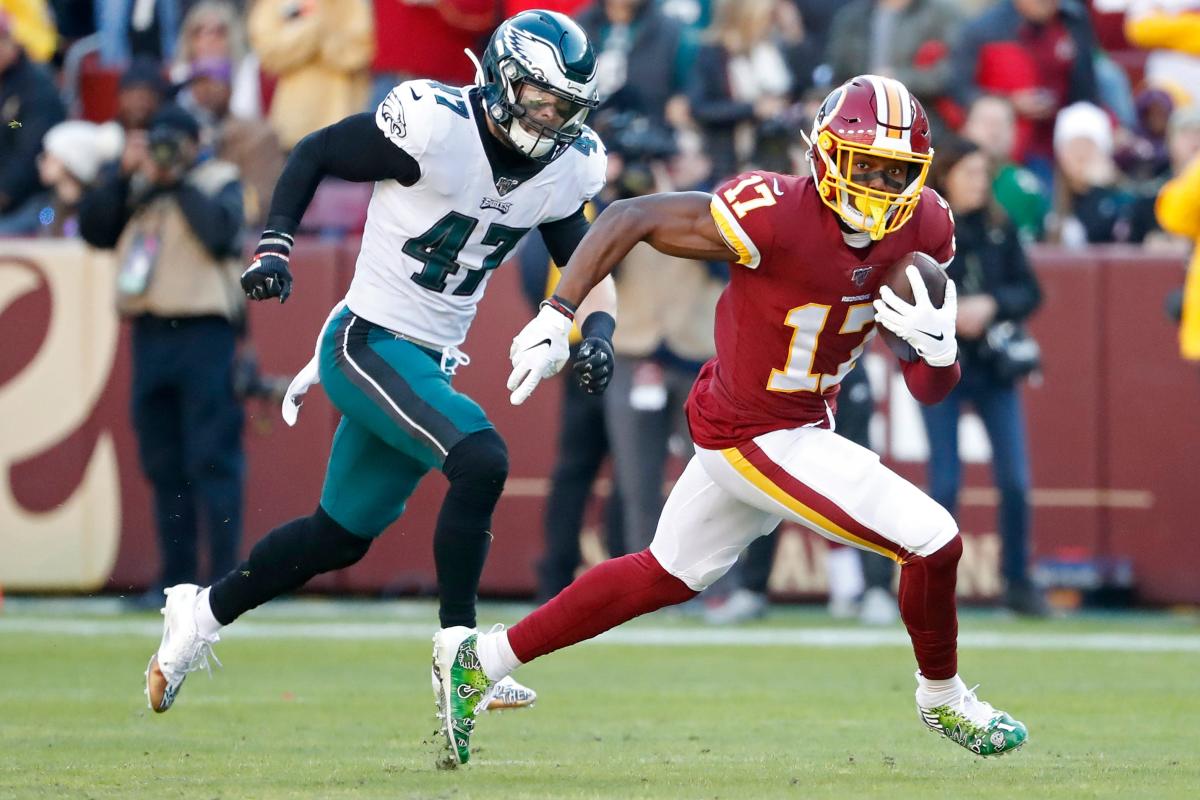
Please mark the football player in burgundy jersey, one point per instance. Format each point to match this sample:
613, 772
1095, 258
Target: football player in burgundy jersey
795, 317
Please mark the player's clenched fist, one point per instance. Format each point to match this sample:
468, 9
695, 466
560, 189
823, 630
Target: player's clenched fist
593, 364
268, 275
540, 349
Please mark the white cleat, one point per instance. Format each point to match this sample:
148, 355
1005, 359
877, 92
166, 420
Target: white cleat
182, 650
507, 694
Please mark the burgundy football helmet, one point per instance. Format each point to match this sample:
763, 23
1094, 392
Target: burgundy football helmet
875, 116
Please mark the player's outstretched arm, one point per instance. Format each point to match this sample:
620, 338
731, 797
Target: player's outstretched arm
676, 223
354, 149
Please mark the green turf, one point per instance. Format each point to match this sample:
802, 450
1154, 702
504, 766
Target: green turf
298, 717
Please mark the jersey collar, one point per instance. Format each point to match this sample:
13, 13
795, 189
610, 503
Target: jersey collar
509, 168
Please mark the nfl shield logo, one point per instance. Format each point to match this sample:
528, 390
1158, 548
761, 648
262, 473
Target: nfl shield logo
860, 275
506, 185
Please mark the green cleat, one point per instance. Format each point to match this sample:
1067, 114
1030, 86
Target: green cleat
462, 691
975, 725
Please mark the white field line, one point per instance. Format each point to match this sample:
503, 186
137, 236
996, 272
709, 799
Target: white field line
637, 635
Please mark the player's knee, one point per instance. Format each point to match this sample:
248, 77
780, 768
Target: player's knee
344, 548
947, 555
479, 462
313, 544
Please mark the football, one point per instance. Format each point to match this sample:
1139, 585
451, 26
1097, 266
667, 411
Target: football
896, 279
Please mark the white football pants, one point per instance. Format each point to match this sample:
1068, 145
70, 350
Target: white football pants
727, 498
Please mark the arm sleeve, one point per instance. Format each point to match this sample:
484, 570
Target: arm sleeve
930, 385
741, 207
1020, 293
103, 211
217, 219
354, 149
564, 235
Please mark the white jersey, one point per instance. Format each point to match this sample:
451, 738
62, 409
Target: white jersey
429, 249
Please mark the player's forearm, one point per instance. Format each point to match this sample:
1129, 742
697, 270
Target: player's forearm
930, 385
601, 299
611, 237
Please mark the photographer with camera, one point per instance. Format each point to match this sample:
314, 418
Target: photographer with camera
667, 310
174, 220
997, 292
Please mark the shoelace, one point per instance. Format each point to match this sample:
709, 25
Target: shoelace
977, 711
199, 659
495, 687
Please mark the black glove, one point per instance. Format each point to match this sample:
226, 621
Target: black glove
268, 275
593, 364
594, 359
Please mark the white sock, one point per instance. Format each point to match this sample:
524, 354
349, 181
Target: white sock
931, 693
205, 621
496, 655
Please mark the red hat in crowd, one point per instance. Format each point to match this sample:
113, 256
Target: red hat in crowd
1005, 67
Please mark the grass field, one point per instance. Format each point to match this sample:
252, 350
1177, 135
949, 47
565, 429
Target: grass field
332, 700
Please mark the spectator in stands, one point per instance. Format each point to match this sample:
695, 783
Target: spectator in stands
72, 155
435, 33
1179, 214
29, 107
1152, 159
1090, 205
75, 19
140, 94
1038, 53
132, 28
997, 291
32, 27
213, 31
642, 58
992, 125
908, 40
818, 19
249, 144
174, 220
1142, 152
1171, 30
743, 87
320, 51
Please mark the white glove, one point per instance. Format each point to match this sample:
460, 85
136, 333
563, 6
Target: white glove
539, 351
929, 330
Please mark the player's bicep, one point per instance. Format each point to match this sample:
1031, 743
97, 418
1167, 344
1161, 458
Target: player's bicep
681, 225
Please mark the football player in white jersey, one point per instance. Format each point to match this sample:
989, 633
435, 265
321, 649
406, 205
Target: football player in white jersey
461, 175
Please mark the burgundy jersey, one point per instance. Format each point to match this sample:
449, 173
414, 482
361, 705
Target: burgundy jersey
797, 313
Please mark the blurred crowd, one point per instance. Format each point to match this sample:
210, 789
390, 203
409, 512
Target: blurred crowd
1084, 110
1055, 121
